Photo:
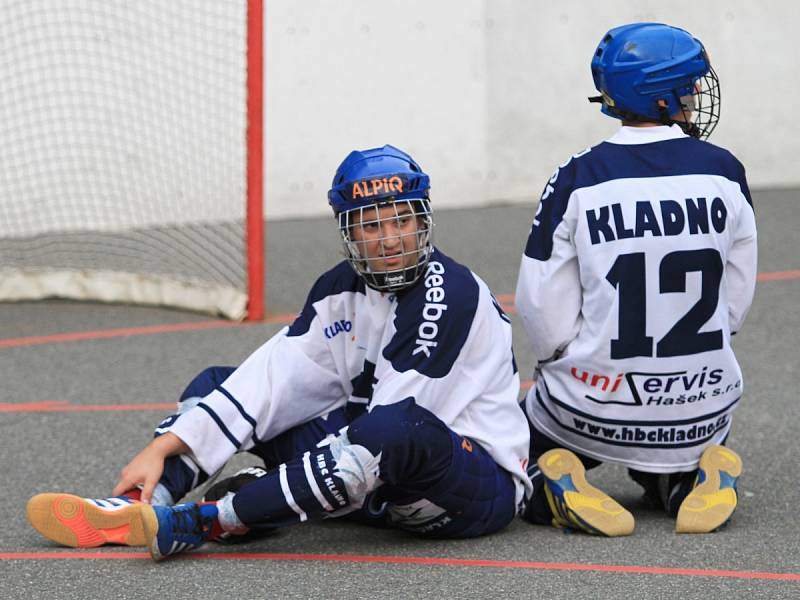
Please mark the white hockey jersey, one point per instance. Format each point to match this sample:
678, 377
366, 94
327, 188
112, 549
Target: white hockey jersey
445, 342
640, 265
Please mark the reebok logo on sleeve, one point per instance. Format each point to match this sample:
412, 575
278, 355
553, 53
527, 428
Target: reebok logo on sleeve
432, 311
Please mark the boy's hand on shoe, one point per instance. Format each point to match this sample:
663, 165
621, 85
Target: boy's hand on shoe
147, 467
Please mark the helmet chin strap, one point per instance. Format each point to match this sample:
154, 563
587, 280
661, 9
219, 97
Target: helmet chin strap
665, 118
396, 280
688, 127
392, 281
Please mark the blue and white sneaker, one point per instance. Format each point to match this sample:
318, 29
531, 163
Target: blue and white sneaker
711, 503
173, 529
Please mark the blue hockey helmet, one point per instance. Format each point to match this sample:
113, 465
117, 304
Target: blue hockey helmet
378, 174
373, 179
658, 73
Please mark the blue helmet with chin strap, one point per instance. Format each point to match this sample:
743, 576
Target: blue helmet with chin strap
365, 183
658, 73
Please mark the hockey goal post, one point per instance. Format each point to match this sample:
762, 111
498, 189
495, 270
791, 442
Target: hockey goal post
132, 156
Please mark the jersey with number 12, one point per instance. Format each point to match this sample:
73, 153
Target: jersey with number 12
639, 268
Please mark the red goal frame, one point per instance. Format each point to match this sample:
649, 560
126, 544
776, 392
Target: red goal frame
254, 229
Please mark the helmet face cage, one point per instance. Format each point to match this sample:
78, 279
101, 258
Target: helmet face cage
404, 233
701, 109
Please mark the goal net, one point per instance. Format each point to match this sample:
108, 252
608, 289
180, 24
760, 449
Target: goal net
125, 167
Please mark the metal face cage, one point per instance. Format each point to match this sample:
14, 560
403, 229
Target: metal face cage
388, 243
701, 109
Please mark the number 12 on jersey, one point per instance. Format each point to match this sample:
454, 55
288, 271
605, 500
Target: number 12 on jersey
628, 276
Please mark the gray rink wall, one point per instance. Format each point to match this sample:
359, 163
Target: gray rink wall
490, 95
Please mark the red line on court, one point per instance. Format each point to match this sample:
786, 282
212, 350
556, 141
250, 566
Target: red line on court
65, 406
508, 299
131, 331
505, 300
778, 276
111, 333
62, 406
412, 560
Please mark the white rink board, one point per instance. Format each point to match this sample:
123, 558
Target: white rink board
135, 111
490, 96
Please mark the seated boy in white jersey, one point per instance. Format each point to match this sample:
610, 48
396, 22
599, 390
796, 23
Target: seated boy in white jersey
640, 266
392, 397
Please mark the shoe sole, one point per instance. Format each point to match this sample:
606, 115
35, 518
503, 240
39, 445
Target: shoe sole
75, 522
709, 505
595, 511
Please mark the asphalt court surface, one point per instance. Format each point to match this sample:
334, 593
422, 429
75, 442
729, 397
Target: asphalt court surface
75, 408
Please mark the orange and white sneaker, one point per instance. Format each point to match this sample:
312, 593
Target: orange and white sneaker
711, 503
88, 523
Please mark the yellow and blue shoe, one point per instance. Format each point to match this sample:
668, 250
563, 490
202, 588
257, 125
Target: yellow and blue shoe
87, 522
711, 503
575, 503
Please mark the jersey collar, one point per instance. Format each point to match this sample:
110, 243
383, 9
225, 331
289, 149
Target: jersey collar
646, 135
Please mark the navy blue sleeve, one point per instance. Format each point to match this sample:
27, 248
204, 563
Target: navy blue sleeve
433, 319
341, 278
552, 206
711, 159
741, 179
